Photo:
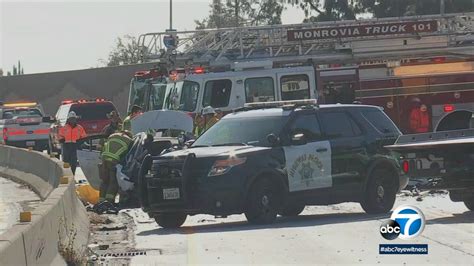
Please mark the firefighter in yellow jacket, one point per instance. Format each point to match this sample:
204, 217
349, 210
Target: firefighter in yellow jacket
113, 153
207, 119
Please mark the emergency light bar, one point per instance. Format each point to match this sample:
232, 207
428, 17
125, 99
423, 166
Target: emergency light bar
281, 103
24, 104
83, 101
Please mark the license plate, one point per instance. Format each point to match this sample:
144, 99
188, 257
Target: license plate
170, 193
30, 143
29, 132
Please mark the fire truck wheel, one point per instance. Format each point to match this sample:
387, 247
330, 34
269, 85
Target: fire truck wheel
170, 220
292, 209
381, 192
469, 203
262, 202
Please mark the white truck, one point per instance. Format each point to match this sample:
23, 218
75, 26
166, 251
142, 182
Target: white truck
23, 124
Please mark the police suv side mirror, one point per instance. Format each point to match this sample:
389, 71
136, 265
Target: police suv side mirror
189, 143
181, 139
273, 140
298, 139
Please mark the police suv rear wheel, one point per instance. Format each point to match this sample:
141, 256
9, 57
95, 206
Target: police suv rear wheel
170, 220
262, 202
380, 193
293, 209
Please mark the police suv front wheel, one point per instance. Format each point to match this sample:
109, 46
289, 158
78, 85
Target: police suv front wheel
262, 202
292, 209
380, 193
170, 220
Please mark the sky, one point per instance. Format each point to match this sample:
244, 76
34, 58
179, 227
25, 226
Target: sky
49, 36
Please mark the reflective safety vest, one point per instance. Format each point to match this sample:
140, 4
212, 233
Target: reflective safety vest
127, 123
72, 134
201, 127
116, 147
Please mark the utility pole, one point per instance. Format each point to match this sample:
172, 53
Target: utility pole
441, 7
171, 14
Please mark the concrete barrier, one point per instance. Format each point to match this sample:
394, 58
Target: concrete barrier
59, 224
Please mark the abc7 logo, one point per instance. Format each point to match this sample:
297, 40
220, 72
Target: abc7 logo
406, 222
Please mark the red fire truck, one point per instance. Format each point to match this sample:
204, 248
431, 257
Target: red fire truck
397, 63
443, 86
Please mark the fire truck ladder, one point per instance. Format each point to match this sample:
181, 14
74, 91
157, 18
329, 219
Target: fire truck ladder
432, 35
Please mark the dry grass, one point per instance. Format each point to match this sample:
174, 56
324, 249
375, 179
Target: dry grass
66, 247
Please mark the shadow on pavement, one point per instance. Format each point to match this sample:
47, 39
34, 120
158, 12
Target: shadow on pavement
457, 218
281, 222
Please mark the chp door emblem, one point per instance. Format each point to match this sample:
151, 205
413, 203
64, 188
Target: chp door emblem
306, 168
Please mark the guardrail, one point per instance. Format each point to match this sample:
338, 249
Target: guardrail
59, 227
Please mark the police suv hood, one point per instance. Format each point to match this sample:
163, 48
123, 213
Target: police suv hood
215, 151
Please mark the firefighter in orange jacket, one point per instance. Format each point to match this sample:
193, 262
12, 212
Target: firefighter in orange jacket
419, 119
68, 136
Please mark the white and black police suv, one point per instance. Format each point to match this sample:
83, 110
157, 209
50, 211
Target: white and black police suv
275, 158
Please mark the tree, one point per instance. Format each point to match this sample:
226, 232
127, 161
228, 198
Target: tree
17, 70
126, 51
395, 8
326, 10
236, 13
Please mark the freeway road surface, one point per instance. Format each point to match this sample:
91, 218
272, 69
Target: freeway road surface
14, 198
323, 234
339, 234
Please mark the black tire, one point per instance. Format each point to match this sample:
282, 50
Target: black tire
381, 192
469, 203
262, 202
293, 209
170, 220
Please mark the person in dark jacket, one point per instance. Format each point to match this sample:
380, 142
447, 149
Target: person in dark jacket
115, 124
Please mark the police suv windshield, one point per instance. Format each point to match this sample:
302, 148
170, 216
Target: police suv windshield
242, 131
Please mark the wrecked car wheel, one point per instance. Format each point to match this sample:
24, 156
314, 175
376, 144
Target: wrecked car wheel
292, 209
262, 202
380, 193
469, 203
170, 220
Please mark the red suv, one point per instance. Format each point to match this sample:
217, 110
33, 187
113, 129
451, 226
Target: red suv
92, 117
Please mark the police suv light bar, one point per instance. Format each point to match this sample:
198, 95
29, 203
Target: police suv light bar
281, 103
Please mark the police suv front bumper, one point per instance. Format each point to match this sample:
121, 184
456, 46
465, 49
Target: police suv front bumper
183, 185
